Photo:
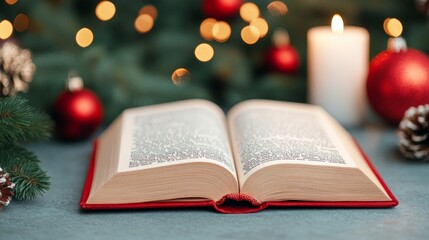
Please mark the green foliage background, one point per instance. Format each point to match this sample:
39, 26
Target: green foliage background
129, 69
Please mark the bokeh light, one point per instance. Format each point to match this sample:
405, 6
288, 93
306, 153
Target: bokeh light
84, 37
21, 22
385, 25
180, 76
6, 29
221, 31
143, 23
249, 11
206, 28
277, 8
250, 34
149, 10
204, 52
261, 25
11, 2
393, 27
280, 38
105, 10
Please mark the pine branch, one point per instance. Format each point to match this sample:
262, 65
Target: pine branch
15, 115
23, 166
40, 128
21, 123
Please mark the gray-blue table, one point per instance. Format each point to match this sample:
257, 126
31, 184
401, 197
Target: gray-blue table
57, 215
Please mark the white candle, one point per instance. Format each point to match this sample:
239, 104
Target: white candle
337, 68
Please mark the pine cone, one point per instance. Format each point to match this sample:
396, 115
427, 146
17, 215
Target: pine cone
413, 133
16, 69
6, 189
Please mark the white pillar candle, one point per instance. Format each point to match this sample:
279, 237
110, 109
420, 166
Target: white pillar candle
338, 60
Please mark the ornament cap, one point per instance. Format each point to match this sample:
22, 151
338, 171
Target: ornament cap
397, 44
281, 38
74, 82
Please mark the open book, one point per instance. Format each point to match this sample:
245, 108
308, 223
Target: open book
263, 153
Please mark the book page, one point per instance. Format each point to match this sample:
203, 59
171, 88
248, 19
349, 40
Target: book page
174, 133
266, 132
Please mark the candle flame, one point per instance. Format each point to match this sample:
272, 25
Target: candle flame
337, 24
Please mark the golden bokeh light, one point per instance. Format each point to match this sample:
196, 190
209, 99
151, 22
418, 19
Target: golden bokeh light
204, 52
261, 25
385, 25
149, 10
6, 29
249, 11
206, 28
250, 34
21, 22
180, 76
105, 10
11, 2
393, 27
84, 37
277, 8
143, 23
221, 31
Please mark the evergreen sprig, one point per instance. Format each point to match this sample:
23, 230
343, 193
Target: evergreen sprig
20, 123
15, 116
39, 129
24, 169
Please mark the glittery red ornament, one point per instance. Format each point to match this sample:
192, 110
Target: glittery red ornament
77, 112
396, 81
221, 9
284, 59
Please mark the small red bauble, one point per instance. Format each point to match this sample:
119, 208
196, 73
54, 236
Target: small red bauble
397, 81
78, 113
284, 59
221, 9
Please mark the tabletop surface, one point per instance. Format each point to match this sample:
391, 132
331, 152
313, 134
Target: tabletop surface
56, 215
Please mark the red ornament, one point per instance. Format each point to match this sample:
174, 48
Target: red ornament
396, 81
77, 112
284, 59
221, 9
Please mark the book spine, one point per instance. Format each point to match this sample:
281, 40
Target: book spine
238, 203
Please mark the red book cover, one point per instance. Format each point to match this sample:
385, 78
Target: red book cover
234, 202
